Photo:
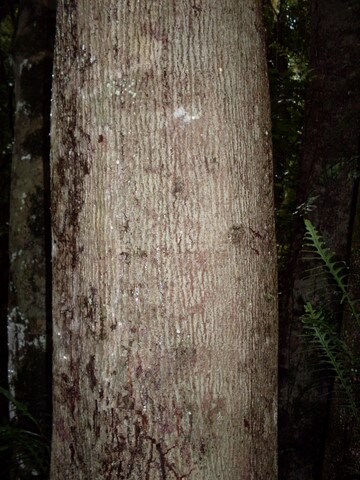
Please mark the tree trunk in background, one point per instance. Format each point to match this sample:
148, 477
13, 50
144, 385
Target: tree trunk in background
328, 176
164, 265
343, 440
7, 28
27, 318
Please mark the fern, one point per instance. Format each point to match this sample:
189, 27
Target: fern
334, 270
28, 447
334, 353
318, 320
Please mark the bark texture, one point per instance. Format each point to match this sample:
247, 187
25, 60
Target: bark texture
27, 318
164, 266
328, 176
6, 121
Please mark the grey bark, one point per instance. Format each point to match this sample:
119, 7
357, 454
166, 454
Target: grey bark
164, 266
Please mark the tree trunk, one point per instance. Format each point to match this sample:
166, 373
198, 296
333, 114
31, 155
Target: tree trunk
7, 29
342, 447
164, 266
328, 170
27, 318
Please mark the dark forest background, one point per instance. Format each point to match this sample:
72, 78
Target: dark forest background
313, 53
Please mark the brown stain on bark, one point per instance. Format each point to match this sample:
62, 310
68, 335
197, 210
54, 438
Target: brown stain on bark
90, 370
237, 234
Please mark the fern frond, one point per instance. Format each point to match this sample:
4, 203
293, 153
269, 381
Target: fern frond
334, 353
335, 270
29, 448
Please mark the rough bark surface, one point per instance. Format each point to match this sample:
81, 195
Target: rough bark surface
164, 267
328, 175
27, 318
